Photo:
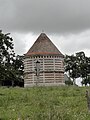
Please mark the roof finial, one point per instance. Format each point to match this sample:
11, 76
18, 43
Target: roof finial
42, 31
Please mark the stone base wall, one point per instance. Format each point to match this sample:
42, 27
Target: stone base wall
44, 84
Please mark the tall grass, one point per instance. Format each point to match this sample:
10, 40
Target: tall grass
44, 103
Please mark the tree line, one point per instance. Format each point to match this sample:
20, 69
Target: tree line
78, 65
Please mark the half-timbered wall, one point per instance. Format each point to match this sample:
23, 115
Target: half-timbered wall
51, 71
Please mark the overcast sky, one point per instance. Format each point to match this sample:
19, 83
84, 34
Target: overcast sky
66, 22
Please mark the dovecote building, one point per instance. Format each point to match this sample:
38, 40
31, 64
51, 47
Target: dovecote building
43, 64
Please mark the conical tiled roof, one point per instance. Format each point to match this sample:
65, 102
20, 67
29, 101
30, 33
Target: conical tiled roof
43, 46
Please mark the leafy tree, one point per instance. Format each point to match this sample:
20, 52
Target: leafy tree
84, 67
78, 65
11, 66
6, 54
82, 64
71, 67
18, 69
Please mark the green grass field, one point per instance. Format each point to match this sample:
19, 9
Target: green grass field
44, 103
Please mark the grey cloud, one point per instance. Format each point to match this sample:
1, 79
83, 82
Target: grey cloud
75, 42
19, 43
55, 16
